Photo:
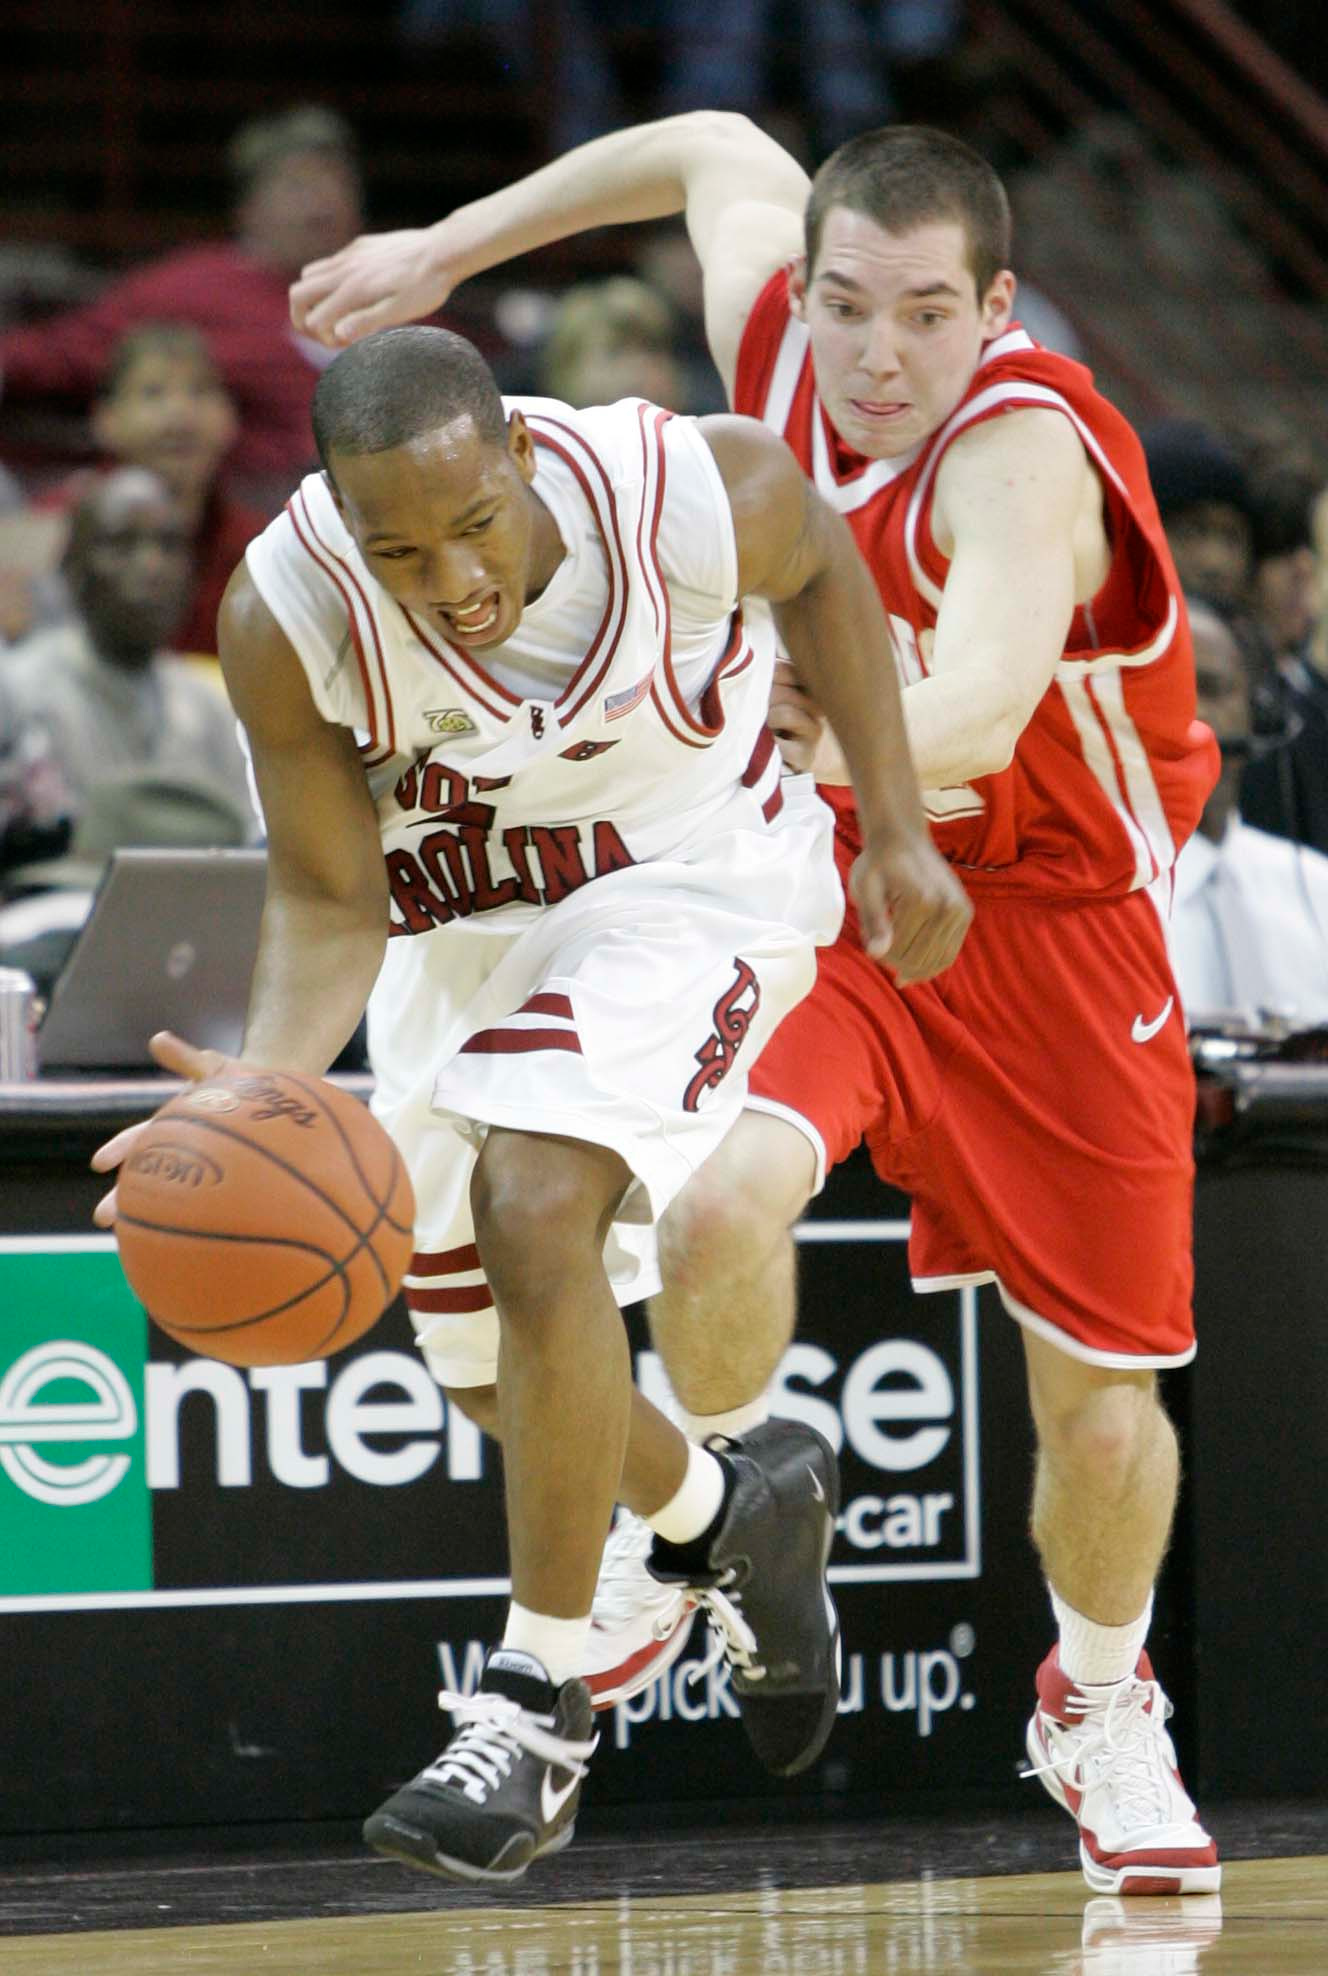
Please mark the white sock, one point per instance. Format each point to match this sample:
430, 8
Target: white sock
559, 1644
732, 1425
694, 1507
1097, 1656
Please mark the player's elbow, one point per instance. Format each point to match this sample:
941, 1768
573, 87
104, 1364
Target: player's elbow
722, 128
1004, 741
996, 743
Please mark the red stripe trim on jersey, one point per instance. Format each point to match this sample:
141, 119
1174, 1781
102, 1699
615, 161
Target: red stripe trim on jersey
773, 804
648, 558
444, 1262
1122, 783
519, 1042
760, 761
445, 654
676, 732
470, 1297
711, 705
351, 620
566, 707
711, 721
546, 1004
357, 586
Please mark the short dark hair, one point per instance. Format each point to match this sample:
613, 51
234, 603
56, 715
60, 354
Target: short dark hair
1282, 499
180, 340
398, 385
906, 176
1190, 465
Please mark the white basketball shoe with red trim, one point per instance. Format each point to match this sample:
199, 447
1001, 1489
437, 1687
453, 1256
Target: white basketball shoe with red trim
638, 1627
1107, 1759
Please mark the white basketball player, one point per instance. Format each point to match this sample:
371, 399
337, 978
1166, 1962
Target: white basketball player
507, 719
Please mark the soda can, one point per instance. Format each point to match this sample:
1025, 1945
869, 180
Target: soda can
18, 994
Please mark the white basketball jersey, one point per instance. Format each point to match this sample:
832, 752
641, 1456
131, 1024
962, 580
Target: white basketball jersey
628, 706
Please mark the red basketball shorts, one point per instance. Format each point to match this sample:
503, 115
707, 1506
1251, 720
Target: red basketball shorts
1036, 1101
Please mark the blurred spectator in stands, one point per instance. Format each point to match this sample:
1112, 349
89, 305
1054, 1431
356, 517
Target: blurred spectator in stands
163, 405
31, 591
1249, 915
666, 260
99, 687
1204, 500
34, 803
846, 56
297, 196
1286, 789
1283, 595
608, 340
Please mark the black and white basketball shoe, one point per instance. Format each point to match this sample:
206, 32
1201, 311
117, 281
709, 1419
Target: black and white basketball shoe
759, 1575
505, 1790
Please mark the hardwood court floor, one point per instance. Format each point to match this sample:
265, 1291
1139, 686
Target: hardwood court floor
752, 1912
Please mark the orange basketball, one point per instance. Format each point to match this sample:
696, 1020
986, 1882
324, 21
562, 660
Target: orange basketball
264, 1218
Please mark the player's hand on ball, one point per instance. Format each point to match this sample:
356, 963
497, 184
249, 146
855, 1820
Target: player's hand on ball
913, 911
378, 282
183, 1060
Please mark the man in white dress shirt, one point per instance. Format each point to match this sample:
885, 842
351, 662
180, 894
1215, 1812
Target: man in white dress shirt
1249, 917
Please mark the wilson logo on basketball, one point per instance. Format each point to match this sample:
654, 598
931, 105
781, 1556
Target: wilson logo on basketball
733, 1018
176, 1166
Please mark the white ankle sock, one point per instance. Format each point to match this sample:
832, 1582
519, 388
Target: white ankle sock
732, 1425
559, 1643
1096, 1656
693, 1508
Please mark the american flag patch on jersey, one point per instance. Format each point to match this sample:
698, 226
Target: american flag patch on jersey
618, 704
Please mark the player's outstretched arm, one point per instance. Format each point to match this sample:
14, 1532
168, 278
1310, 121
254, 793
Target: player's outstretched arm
741, 194
794, 550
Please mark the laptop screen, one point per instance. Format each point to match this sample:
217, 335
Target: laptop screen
169, 944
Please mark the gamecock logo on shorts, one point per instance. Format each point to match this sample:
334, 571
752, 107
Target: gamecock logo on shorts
733, 1018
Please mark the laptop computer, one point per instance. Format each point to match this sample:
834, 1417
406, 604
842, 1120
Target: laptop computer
169, 943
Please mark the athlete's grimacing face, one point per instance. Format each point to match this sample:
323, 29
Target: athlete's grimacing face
897, 327
451, 527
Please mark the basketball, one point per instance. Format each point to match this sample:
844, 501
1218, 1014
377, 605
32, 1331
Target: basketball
264, 1218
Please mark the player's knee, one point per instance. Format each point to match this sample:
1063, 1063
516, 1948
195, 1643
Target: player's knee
1101, 1435
535, 1212
740, 1203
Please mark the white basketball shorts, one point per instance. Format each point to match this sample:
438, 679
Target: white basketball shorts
628, 1014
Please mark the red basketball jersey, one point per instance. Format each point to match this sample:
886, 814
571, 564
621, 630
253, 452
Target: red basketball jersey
1110, 775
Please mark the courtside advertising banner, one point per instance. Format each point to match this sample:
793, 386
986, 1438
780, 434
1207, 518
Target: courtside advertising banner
334, 1530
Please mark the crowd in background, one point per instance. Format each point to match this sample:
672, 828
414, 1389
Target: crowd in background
184, 399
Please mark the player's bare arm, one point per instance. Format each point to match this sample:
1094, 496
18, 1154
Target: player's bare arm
742, 196
325, 918
795, 551
1018, 512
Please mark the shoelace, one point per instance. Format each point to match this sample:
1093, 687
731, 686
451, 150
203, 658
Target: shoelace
1120, 1737
494, 1730
732, 1639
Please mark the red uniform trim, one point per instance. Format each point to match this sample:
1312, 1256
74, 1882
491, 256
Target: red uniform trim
468, 1297
519, 1042
444, 1262
355, 584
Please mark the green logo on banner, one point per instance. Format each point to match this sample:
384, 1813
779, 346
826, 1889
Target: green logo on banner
75, 1513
